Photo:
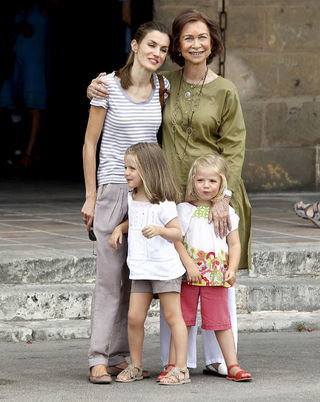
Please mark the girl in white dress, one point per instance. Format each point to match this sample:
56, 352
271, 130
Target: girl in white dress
211, 262
154, 264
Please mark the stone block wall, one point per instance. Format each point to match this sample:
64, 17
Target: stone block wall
273, 57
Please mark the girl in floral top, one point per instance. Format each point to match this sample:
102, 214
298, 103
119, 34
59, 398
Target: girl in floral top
211, 262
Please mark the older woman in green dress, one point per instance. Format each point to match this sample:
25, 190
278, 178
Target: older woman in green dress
203, 115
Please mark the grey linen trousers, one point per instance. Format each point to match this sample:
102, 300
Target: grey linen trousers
110, 301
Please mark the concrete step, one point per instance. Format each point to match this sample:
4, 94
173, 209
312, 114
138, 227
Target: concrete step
73, 301
277, 294
48, 270
77, 329
303, 262
290, 263
50, 301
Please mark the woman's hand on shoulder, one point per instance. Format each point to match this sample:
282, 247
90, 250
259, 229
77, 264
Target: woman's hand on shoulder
96, 90
219, 214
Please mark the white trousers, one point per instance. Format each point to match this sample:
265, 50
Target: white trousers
211, 349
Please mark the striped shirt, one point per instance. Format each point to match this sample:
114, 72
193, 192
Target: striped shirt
127, 122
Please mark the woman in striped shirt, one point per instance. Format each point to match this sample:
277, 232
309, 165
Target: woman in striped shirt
131, 114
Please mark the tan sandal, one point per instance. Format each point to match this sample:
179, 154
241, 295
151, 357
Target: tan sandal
174, 377
131, 376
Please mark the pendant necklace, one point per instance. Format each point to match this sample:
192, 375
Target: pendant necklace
194, 106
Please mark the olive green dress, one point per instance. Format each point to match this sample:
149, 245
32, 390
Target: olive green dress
217, 127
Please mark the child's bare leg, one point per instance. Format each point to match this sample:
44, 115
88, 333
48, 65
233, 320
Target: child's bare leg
138, 310
172, 313
226, 343
172, 352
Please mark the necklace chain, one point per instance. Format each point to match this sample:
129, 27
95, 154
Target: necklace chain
194, 106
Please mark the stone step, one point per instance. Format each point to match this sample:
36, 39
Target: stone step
77, 329
48, 270
302, 262
73, 301
288, 263
50, 301
277, 294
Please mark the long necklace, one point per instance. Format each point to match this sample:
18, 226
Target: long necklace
194, 106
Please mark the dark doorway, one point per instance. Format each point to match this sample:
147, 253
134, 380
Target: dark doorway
86, 38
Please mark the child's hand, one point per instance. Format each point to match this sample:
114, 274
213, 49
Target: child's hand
193, 274
151, 231
115, 237
230, 277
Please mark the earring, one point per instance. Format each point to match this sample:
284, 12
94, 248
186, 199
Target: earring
179, 54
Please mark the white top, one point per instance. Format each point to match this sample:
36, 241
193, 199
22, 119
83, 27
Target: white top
210, 253
154, 258
127, 122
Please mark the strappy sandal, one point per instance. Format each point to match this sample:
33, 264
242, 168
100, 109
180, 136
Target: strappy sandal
174, 376
165, 372
131, 376
239, 376
302, 212
115, 370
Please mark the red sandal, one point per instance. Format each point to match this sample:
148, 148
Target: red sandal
165, 372
239, 376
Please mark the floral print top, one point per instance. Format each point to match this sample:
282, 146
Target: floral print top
209, 252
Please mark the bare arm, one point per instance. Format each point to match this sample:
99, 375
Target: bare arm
117, 234
170, 232
95, 90
93, 131
234, 246
192, 270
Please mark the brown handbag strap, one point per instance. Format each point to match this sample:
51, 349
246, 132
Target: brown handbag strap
162, 90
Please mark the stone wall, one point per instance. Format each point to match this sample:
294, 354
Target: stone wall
273, 57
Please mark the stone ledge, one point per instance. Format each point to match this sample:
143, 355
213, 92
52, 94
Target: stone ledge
269, 321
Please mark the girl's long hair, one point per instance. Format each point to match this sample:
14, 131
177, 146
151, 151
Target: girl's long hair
156, 175
209, 160
124, 73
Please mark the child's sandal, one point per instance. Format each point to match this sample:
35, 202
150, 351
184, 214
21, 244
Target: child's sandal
165, 372
130, 374
241, 375
174, 377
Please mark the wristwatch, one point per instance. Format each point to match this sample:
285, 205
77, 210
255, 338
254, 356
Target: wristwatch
227, 194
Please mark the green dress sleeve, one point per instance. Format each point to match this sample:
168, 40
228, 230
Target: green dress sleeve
232, 133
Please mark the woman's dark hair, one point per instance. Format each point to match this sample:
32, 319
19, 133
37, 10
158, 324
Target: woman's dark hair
193, 15
124, 73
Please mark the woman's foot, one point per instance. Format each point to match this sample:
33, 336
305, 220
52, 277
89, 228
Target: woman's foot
98, 375
219, 369
236, 374
176, 376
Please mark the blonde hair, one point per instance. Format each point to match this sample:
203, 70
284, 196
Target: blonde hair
153, 168
214, 161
